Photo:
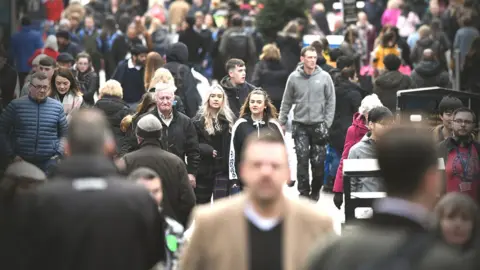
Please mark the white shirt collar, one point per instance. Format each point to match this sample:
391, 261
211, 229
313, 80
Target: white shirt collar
264, 224
403, 208
131, 65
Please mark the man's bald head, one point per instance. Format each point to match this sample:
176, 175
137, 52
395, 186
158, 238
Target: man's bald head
88, 133
428, 55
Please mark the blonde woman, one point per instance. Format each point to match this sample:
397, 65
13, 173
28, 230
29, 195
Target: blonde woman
213, 122
163, 75
270, 74
111, 103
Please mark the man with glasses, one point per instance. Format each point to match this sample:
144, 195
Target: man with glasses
460, 154
32, 127
446, 108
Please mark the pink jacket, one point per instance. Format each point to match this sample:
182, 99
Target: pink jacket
355, 133
390, 16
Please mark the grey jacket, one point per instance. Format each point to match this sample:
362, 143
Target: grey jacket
313, 95
365, 149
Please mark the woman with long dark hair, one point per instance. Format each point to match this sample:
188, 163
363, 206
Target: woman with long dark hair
64, 88
469, 79
256, 113
86, 76
213, 122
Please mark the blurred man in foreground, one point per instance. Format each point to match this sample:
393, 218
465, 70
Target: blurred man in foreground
260, 229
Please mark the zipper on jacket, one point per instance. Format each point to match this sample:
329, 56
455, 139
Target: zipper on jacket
38, 128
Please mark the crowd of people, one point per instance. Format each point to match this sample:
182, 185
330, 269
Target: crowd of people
117, 119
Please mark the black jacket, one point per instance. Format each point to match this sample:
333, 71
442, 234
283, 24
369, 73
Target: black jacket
322, 63
272, 76
7, 84
180, 138
88, 83
290, 49
196, 44
470, 81
177, 64
348, 99
178, 197
387, 85
115, 109
429, 74
236, 94
220, 141
429, 43
101, 221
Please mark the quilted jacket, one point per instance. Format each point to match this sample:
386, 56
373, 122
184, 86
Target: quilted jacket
32, 130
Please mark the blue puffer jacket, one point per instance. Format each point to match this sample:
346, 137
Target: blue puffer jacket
32, 130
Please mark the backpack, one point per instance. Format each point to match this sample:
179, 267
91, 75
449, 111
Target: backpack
89, 42
237, 46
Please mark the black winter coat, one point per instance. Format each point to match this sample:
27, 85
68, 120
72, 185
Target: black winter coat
387, 85
429, 74
178, 197
115, 109
290, 49
348, 99
236, 94
220, 141
180, 138
470, 81
88, 83
94, 209
272, 76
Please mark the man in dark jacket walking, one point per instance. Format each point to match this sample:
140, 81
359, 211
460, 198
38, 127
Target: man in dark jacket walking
177, 64
179, 198
130, 74
101, 221
32, 127
429, 72
234, 84
179, 136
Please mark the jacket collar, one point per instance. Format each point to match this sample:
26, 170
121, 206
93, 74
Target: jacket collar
86, 166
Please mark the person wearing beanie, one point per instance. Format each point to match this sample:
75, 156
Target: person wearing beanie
130, 73
65, 60
65, 44
50, 49
179, 198
391, 81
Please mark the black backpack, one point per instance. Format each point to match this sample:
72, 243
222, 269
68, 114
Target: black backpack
237, 46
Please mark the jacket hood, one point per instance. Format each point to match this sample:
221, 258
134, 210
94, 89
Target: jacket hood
429, 68
302, 71
359, 121
178, 52
393, 79
227, 84
425, 42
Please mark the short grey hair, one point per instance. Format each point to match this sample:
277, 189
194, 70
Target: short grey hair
149, 123
368, 103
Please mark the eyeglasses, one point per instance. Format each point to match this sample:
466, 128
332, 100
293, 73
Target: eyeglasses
461, 122
43, 87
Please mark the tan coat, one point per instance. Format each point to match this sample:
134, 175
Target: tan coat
219, 239
178, 12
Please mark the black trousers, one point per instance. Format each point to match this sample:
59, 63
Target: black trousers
310, 141
218, 185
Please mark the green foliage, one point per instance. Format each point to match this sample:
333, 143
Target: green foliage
277, 13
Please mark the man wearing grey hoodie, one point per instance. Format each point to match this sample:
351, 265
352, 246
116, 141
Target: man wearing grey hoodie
313, 92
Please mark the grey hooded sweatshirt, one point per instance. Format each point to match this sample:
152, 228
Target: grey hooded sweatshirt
314, 96
365, 149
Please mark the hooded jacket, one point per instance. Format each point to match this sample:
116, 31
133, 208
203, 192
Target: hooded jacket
348, 99
355, 133
314, 96
430, 73
177, 64
427, 43
236, 94
365, 149
272, 76
387, 85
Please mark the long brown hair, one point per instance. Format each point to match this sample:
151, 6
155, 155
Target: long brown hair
270, 110
148, 100
154, 62
67, 74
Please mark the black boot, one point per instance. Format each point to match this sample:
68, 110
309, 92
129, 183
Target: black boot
315, 195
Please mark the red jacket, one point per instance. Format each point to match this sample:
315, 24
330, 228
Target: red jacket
54, 9
46, 51
355, 133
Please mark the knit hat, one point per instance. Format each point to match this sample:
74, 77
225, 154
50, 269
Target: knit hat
51, 42
149, 127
